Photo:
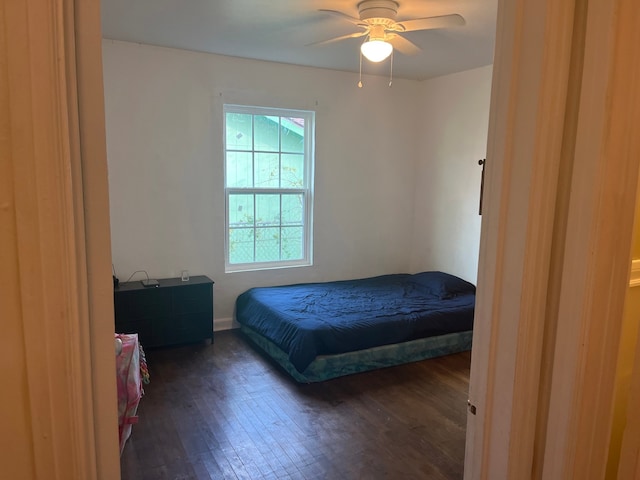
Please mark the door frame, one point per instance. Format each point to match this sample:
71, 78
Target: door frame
60, 234
562, 170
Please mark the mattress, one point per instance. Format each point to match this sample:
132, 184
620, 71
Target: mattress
312, 320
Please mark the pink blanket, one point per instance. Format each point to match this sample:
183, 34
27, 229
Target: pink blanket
128, 365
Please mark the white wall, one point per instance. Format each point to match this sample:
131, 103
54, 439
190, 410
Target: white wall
165, 154
454, 119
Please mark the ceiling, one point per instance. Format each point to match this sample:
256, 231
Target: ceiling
280, 31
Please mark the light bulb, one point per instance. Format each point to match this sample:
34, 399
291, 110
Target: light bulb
376, 50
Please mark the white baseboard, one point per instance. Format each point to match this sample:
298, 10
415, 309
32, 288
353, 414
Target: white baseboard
220, 324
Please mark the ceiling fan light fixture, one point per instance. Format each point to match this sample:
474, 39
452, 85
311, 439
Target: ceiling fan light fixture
376, 50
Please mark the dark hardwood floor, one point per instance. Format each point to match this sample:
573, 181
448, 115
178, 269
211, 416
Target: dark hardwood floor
223, 411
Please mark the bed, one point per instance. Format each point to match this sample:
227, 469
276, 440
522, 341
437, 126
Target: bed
319, 331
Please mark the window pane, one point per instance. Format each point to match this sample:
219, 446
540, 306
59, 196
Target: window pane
292, 209
266, 158
241, 245
239, 169
267, 244
241, 211
292, 171
266, 135
292, 134
239, 131
266, 170
292, 243
268, 210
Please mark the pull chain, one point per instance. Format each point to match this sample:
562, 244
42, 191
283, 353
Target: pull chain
391, 70
360, 79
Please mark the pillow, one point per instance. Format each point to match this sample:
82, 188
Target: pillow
444, 285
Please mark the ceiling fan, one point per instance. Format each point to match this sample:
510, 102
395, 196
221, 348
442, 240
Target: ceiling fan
378, 23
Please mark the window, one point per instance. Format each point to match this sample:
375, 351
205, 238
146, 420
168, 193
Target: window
268, 187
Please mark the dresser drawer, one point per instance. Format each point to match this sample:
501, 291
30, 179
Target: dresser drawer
196, 299
172, 313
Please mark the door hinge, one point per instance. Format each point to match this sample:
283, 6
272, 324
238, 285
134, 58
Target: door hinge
472, 408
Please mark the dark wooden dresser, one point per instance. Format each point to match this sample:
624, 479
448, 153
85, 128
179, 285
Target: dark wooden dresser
172, 313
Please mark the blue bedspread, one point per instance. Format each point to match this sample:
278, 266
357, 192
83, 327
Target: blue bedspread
312, 319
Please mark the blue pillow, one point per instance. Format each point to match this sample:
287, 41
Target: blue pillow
444, 285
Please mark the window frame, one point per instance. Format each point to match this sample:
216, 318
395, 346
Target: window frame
306, 191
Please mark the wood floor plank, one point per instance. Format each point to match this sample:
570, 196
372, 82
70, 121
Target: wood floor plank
224, 411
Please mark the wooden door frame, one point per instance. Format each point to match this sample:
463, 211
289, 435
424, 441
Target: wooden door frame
562, 167
56, 154
97, 230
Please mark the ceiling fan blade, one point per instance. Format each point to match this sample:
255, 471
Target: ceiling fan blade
429, 23
403, 45
344, 16
337, 39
